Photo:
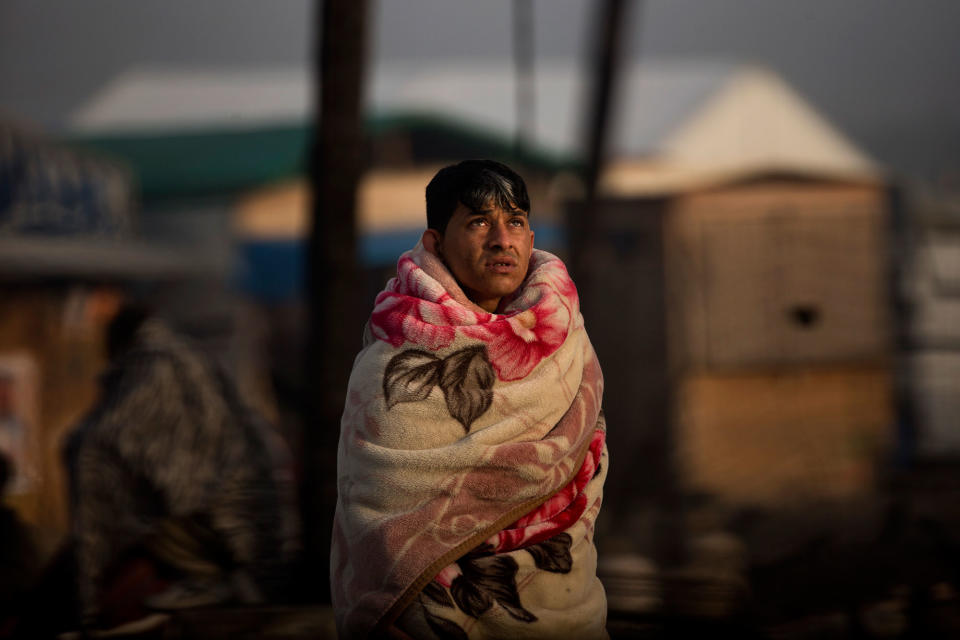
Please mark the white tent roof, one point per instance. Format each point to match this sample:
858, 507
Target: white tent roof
175, 99
695, 115
756, 119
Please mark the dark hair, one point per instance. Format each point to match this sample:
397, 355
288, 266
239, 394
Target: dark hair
474, 183
121, 330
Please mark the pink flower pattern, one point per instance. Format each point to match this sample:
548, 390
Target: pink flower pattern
415, 308
554, 516
517, 343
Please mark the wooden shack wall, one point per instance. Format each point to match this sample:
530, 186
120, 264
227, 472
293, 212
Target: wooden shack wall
769, 438
778, 316
777, 274
744, 334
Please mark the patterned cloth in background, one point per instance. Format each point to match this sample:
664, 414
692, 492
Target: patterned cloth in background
170, 440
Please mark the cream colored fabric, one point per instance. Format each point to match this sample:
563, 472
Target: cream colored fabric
471, 464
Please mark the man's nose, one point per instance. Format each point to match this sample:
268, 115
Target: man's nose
499, 236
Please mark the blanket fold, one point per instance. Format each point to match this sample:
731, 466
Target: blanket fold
471, 463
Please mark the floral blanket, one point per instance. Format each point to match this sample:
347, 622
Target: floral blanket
471, 464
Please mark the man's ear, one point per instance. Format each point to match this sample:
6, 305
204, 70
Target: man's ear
432, 241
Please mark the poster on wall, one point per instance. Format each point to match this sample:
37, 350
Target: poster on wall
18, 419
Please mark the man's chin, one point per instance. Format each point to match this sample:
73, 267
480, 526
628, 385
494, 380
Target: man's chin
504, 287
492, 288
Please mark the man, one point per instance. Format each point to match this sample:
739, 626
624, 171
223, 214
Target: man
472, 458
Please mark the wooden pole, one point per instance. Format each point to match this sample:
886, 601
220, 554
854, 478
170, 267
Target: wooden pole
604, 64
523, 54
333, 281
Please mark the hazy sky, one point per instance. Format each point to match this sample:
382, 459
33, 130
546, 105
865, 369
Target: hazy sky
886, 71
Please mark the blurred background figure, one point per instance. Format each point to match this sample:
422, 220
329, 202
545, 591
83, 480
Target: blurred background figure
181, 495
172, 459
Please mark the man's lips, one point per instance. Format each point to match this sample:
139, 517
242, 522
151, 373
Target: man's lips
501, 264
501, 260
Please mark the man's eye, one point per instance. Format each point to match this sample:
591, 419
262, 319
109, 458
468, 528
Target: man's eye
518, 222
477, 222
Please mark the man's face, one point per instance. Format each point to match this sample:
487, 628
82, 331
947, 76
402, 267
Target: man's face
487, 251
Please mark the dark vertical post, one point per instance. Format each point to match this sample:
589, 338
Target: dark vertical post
523, 53
901, 252
335, 324
589, 233
604, 64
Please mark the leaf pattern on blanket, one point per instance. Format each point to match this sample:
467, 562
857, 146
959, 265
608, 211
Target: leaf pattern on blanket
410, 376
438, 594
445, 629
488, 580
467, 381
465, 376
554, 554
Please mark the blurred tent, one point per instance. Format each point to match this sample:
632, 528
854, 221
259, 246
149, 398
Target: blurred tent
212, 137
695, 114
675, 125
725, 126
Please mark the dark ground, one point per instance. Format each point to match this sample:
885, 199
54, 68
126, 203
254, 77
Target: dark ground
881, 566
